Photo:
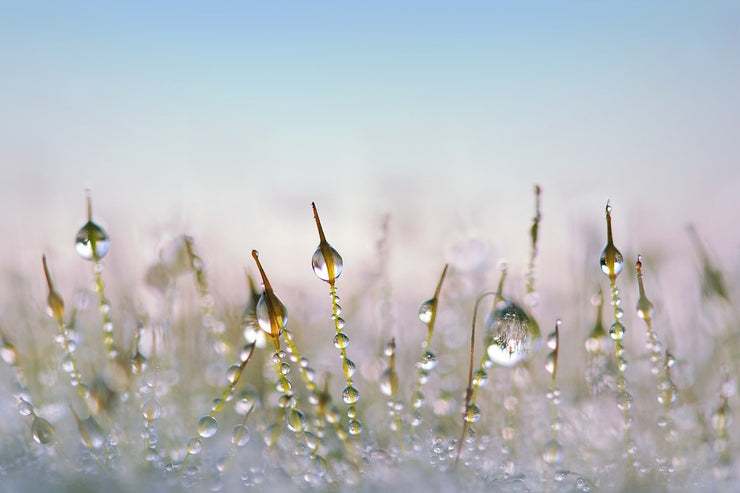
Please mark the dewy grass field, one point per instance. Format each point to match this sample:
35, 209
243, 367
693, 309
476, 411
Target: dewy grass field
165, 385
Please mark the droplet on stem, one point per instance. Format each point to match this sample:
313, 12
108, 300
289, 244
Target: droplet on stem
611, 260
272, 315
92, 242
326, 262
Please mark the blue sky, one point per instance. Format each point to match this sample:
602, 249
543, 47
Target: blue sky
215, 117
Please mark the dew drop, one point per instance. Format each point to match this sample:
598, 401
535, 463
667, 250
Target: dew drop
341, 340
553, 452
326, 262
350, 395
25, 408
92, 242
428, 361
296, 421
472, 414
349, 367
550, 363
271, 323
240, 435
354, 427
207, 426
90, 433
151, 409
8, 353
616, 331
516, 335
389, 382
425, 310
42, 431
418, 400
194, 446
611, 261
480, 377
624, 400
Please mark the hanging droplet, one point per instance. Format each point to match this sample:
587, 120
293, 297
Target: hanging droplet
272, 316
472, 414
480, 377
92, 242
25, 408
354, 427
296, 421
350, 395
515, 335
151, 409
553, 452
54, 302
326, 262
90, 433
389, 382
348, 366
194, 446
616, 331
611, 260
240, 435
42, 431
207, 426
426, 309
428, 361
341, 340
234, 373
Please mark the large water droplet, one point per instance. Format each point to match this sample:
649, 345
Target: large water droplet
194, 446
90, 433
553, 452
151, 409
92, 242
341, 340
611, 261
42, 431
515, 335
616, 331
296, 421
271, 323
327, 263
207, 426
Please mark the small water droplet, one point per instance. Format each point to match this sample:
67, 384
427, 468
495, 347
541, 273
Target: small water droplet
151, 409
354, 427
207, 426
550, 363
418, 400
426, 309
553, 452
350, 395
25, 408
624, 400
480, 377
296, 421
472, 414
349, 367
341, 340
240, 435
616, 331
194, 446
428, 361
42, 431
389, 382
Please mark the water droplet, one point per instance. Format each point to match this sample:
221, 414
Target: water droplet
272, 315
350, 395
194, 446
341, 340
624, 400
326, 262
90, 432
516, 335
42, 431
418, 400
240, 435
389, 382
667, 392
354, 427
480, 377
296, 421
349, 367
151, 409
616, 331
92, 242
472, 414
426, 309
428, 361
611, 261
207, 426
550, 363
553, 452
8, 353
25, 408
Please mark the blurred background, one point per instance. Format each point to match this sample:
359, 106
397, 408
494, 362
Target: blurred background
226, 120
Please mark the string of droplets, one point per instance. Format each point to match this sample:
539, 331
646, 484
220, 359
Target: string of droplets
327, 264
552, 452
599, 365
389, 388
92, 243
660, 366
210, 321
428, 360
612, 263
